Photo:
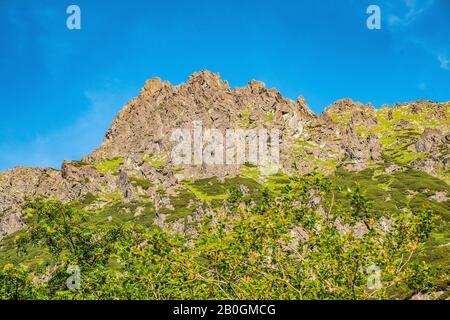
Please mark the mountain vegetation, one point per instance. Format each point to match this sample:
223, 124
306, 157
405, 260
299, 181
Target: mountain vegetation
359, 207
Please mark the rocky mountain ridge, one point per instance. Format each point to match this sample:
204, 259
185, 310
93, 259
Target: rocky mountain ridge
134, 158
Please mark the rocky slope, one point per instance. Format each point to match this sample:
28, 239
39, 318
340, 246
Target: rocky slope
134, 163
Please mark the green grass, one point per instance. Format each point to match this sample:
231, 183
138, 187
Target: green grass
341, 117
141, 182
180, 203
110, 196
398, 143
214, 192
123, 212
34, 257
85, 201
304, 143
110, 165
245, 117
156, 160
301, 153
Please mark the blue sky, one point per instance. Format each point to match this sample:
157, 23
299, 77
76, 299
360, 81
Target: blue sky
60, 89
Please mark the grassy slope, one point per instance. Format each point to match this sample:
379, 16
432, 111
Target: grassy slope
388, 192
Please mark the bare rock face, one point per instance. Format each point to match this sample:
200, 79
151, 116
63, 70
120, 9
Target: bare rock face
403, 124
20, 184
145, 124
347, 134
430, 139
435, 148
81, 179
374, 145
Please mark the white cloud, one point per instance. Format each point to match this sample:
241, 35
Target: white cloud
400, 16
444, 62
411, 10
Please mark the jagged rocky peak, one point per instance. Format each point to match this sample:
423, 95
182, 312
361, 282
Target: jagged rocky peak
415, 106
257, 87
145, 124
348, 105
431, 109
206, 79
154, 85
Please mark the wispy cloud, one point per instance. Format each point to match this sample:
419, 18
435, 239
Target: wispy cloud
444, 62
70, 142
402, 17
411, 10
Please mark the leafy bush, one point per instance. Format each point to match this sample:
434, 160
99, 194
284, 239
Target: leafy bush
282, 247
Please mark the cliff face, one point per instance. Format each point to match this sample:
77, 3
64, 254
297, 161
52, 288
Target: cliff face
145, 124
134, 159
